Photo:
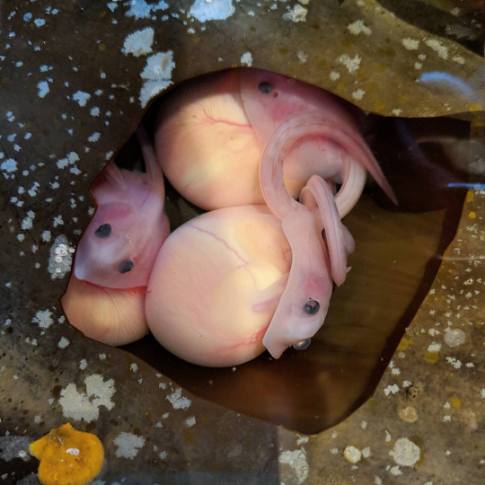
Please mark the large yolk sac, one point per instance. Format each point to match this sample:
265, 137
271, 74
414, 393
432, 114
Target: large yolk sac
113, 317
211, 134
216, 283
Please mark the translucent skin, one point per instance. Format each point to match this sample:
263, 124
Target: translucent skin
131, 205
100, 301
215, 285
214, 131
304, 302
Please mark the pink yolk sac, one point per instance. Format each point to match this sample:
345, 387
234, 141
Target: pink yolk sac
211, 135
216, 283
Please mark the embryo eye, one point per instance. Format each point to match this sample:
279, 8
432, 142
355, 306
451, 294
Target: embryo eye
311, 306
265, 87
104, 230
126, 265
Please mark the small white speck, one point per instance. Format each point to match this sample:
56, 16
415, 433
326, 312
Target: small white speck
352, 64
247, 59
27, 221
410, 44
434, 347
177, 400
359, 27
438, 47
296, 14
94, 137
358, 94
454, 362
352, 454
63, 343
83, 364
189, 422
391, 389
458, 59
73, 451
39, 22
46, 236
81, 97
58, 221
94, 111
42, 89
134, 367
302, 56
43, 318
334, 75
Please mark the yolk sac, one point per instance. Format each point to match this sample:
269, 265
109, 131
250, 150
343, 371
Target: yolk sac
215, 285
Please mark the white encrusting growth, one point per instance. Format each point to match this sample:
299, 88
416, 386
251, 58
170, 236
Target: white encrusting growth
84, 406
206, 10
405, 452
297, 461
438, 47
359, 27
177, 400
139, 43
296, 14
43, 318
140, 9
352, 454
454, 337
128, 445
410, 44
352, 64
157, 75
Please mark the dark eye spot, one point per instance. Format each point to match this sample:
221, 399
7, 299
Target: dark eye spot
265, 87
104, 230
303, 344
311, 307
126, 266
